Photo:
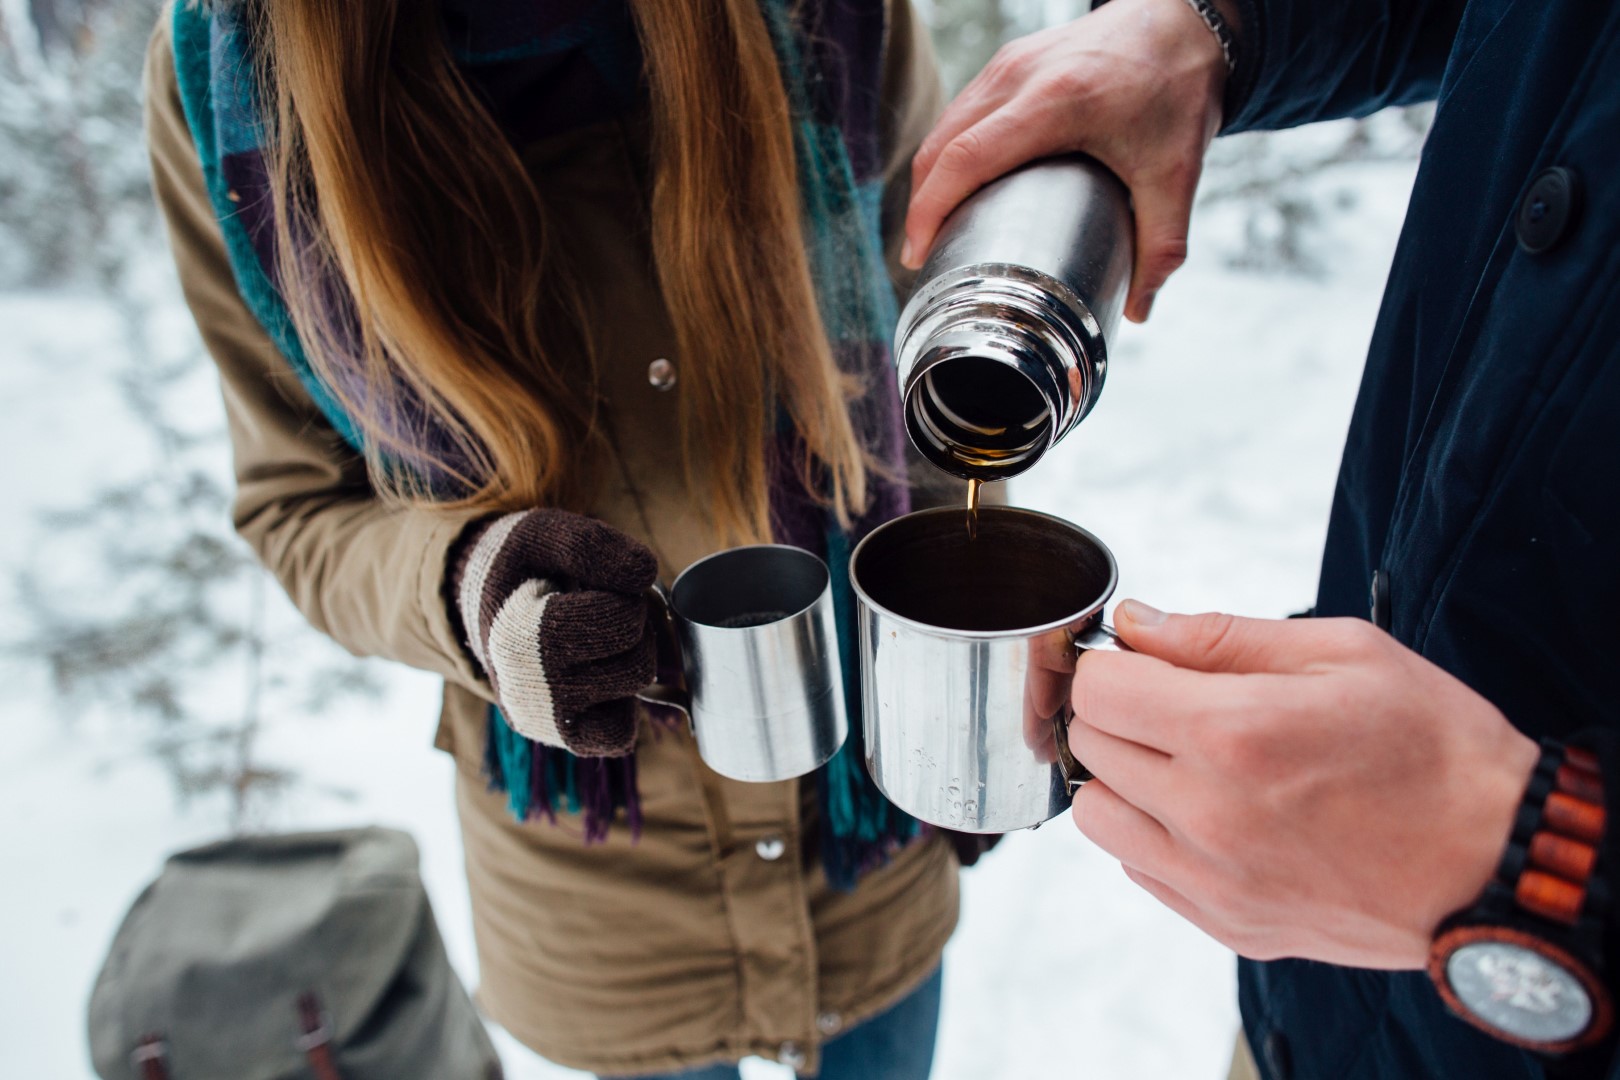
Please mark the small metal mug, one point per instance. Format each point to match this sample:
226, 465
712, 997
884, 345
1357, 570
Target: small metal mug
968, 647
762, 683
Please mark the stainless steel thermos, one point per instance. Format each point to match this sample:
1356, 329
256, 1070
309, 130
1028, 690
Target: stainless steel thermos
1004, 344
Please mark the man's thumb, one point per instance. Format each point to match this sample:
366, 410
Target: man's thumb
1208, 642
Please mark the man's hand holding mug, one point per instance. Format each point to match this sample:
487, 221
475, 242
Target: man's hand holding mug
1296, 788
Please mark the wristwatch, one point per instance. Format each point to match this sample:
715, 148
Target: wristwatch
1524, 963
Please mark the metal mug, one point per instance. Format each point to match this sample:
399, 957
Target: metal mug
968, 647
762, 684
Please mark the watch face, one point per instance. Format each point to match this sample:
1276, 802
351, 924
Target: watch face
1519, 992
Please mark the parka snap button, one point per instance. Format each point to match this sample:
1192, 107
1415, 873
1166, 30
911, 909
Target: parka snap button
661, 374
829, 1023
1379, 600
770, 849
1548, 210
790, 1055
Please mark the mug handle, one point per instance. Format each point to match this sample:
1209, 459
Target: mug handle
676, 696
1099, 636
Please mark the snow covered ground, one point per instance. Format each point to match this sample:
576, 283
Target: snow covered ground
1208, 467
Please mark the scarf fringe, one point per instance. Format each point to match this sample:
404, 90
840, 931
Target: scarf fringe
859, 830
542, 781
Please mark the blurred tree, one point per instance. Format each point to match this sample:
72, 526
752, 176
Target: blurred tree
75, 201
967, 33
142, 606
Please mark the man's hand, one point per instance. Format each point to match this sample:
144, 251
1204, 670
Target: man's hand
1304, 788
1136, 84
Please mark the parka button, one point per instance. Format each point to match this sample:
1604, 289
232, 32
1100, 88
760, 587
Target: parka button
1548, 209
829, 1023
790, 1055
661, 374
770, 849
1379, 600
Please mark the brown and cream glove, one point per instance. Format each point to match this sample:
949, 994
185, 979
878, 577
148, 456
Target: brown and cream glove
553, 608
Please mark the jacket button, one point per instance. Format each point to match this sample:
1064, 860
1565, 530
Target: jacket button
770, 849
661, 374
1379, 591
1279, 1062
829, 1023
1548, 209
790, 1055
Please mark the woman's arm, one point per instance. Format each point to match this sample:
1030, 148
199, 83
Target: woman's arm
369, 575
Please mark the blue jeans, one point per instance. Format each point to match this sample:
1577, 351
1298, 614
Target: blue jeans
893, 1045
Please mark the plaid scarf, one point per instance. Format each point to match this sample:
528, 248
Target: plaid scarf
548, 67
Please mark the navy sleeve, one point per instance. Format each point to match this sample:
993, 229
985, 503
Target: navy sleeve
1324, 59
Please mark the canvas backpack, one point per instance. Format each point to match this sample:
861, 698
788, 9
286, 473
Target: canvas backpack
286, 958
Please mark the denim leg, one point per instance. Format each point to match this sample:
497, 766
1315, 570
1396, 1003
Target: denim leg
894, 1045
703, 1072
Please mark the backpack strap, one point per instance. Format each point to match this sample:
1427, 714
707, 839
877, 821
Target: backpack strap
150, 1057
316, 1040
151, 1054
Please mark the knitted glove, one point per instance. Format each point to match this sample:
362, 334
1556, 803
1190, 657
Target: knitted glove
552, 607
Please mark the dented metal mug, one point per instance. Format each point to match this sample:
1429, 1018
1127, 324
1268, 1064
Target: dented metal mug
968, 648
762, 681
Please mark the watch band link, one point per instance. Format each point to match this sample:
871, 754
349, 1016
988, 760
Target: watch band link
1561, 851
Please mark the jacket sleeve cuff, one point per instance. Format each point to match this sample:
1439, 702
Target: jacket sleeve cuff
440, 627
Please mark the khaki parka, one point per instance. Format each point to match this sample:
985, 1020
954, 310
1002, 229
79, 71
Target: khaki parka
716, 935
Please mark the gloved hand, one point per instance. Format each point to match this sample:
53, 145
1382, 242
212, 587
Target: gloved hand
552, 607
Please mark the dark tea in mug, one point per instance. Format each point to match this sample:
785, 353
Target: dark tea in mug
1015, 572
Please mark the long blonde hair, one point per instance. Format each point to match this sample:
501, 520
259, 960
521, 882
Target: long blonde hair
391, 178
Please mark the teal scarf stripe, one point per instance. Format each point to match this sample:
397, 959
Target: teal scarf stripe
202, 46
514, 752
854, 804
843, 215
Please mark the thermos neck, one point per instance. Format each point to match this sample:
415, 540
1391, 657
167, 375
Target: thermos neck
996, 364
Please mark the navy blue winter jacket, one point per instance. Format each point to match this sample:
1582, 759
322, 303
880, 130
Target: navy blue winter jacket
1482, 468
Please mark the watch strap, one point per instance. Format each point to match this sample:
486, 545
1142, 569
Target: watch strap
1546, 896
1557, 855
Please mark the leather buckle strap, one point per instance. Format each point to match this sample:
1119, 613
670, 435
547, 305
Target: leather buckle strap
151, 1054
316, 1041
151, 1057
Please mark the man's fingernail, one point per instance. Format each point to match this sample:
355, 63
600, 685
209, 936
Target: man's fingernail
905, 252
1141, 614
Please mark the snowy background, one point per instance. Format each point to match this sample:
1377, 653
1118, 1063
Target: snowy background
157, 693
